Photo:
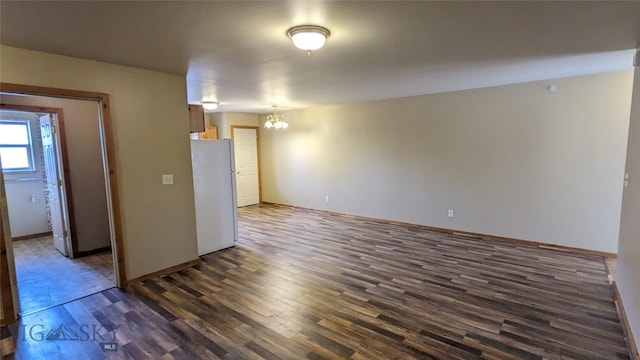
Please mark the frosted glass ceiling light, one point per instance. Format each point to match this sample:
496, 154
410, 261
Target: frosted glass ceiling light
209, 105
275, 121
308, 37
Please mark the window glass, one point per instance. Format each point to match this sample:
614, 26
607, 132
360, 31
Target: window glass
15, 145
14, 158
14, 134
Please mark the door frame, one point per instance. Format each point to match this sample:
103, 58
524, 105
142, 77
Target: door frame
109, 159
73, 240
256, 128
8, 288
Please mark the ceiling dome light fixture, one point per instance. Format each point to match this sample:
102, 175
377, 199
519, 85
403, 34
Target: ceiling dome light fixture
308, 37
275, 121
210, 105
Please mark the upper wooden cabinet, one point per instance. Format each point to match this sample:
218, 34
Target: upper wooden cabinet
196, 118
210, 133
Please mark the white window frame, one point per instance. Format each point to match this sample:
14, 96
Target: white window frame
28, 146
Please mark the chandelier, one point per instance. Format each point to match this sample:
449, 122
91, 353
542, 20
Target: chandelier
275, 121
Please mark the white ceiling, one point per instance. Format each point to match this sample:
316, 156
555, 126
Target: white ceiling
237, 52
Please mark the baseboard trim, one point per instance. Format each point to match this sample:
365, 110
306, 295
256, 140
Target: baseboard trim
628, 335
168, 270
31, 236
94, 251
463, 233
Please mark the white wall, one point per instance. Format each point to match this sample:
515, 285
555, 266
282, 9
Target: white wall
515, 161
150, 126
26, 217
628, 264
82, 133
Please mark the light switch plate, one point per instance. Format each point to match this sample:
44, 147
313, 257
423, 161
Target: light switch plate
167, 179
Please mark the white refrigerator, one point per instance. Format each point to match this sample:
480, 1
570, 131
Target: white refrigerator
214, 184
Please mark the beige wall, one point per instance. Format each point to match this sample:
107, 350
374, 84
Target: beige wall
224, 121
216, 119
150, 123
239, 119
515, 161
628, 265
82, 130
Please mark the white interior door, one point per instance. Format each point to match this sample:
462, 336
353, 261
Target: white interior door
246, 158
54, 184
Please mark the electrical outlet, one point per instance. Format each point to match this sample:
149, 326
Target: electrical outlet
167, 179
326, 198
450, 213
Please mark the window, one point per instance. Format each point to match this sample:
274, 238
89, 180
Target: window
16, 151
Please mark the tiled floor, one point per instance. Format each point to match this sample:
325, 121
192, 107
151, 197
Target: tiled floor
46, 278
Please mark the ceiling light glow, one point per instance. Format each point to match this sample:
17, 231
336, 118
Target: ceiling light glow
210, 105
308, 37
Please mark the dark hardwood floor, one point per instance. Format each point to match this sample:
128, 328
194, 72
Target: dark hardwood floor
302, 284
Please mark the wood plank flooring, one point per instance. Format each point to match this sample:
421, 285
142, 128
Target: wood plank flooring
46, 278
302, 284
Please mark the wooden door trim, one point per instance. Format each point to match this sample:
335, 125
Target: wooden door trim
65, 164
6, 291
256, 128
109, 147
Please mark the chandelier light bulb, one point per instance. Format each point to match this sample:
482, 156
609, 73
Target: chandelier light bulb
275, 121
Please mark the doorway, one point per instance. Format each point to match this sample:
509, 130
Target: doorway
108, 177
247, 161
54, 266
